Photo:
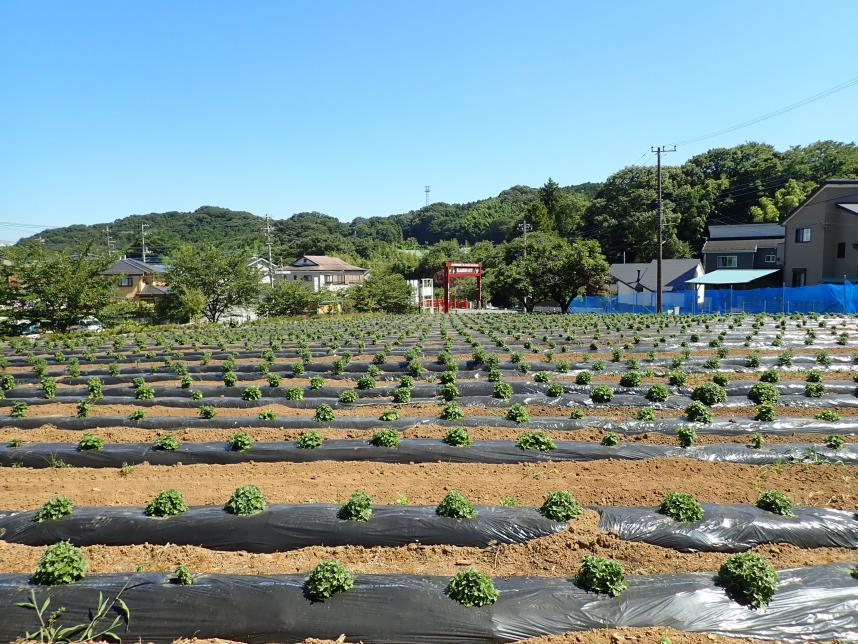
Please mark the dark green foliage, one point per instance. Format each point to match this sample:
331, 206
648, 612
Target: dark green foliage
246, 500
541, 376
229, 378
328, 578
535, 440
183, 575
502, 390
455, 506
630, 379
677, 378
389, 415
709, 394
357, 508
452, 411
167, 503
144, 392
602, 394
317, 382
583, 378
813, 376
19, 409
657, 393
766, 413
555, 390
385, 438
681, 507
207, 412
448, 391
834, 441
686, 436
402, 395
458, 437
252, 393
610, 439
240, 442
90, 442
324, 414
167, 442
748, 579
770, 376
518, 414
366, 382
472, 588
777, 502
61, 563
697, 412
827, 415
576, 414
721, 379
645, 414
309, 440
348, 396
601, 575
757, 440
560, 506
56, 508
814, 389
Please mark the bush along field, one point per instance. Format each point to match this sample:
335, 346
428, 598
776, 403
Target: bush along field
691, 472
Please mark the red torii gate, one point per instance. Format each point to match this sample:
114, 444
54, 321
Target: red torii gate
454, 270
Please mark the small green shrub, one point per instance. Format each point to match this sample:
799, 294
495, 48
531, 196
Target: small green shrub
681, 507
770, 376
657, 393
90, 442
472, 588
328, 578
196, 394
721, 379
19, 409
317, 382
455, 506
583, 378
610, 439
535, 440
366, 382
813, 376
167, 442
697, 412
240, 442
686, 436
645, 414
56, 508
389, 415
402, 395
309, 440
834, 441
757, 440
576, 414
294, 393
144, 392
252, 393
502, 390
61, 563
167, 503
183, 576
748, 579
517, 414
324, 414
777, 502
458, 437
560, 506
452, 411
246, 500
602, 394
229, 378
709, 394
273, 380
600, 575
385, 438
357, 508
555, 390
94, 387
766, 413
827, 415
406, 382
7, 382
448, 391
83, 408
814, 389
206, 411
630, 379
348, 396
677, 378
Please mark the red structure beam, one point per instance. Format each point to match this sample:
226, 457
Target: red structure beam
455, 270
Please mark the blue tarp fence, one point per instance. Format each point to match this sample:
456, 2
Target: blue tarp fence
822, 298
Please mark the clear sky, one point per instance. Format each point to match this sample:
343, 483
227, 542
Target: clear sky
349, 108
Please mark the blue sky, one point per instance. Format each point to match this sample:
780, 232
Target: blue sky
350, 108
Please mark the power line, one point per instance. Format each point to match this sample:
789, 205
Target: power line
768, 115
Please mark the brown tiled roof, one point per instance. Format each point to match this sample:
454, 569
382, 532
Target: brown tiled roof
325, 263
154, 290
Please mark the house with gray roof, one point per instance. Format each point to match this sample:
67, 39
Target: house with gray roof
744, 247
136, 280
322, 271
636, 283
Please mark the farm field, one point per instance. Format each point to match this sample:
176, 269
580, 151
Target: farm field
477, 477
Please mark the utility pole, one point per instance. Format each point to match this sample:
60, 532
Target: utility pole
659, 242
109, 240
268, 243
143, 228
427, 190
525, 227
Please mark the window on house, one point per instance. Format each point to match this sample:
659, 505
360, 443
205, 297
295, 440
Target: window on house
799, 276
841, 250
126, 281
727, 261
334, 279
770, 259
802, 235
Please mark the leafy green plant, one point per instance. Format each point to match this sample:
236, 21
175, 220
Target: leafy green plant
502, 390
83, 408
245, 501
273, 380
229, 378
583, 378
709, 394
328, 578
677, 378
560, 506
472, 588
309, 440
555, 390
196, 394
748, 578
518, 414
455, 506
657, 393
251, 393
206, 411
317, 382
385, 438
576, 414
144, 392
757, 440
645, 414
777, 502
7, 382
535, 440
402, 395
630, 379
681, 507
771, 375
766, 413
813, 376
167, 503
240, 442
267, 414
686, 435
600, 575
448, 391
49, 386
508, 502
167, 442
357, 508
348, 396
15, 442
185, 382
827, 415
610, 439
94, 386
51, 631
697, 412
366, 382
56, 508
458, 437
602, 394
183, 576
324, 414
90, 442
294, 393
814, 389
19, 409
834, 441
389, 415
61, 563
452, 411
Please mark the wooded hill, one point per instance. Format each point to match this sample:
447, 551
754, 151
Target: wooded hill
746, 183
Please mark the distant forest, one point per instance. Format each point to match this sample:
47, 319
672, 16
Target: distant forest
742, 184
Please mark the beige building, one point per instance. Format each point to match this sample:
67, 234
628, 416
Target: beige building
322, 271
821, 242
136, 280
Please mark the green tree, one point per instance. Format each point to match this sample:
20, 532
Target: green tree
55, 288
287, 298
180, 306
223, 278
380, 292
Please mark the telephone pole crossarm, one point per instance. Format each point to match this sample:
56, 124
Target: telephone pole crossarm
659, 237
